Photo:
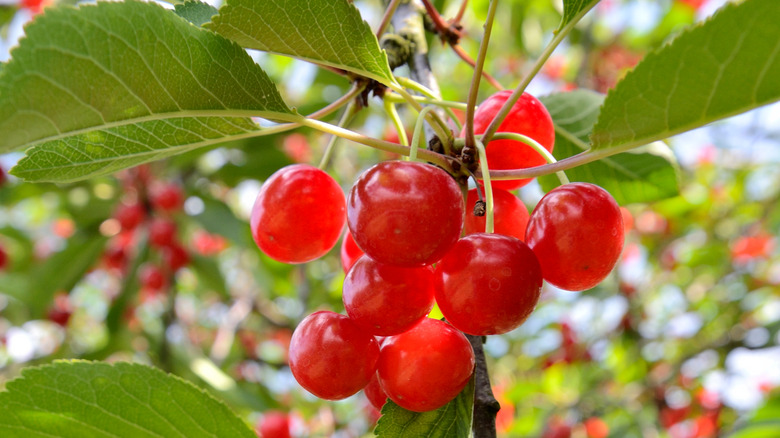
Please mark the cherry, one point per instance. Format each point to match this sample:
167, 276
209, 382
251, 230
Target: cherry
115, 257
529, 117
595, 427
331, 357
489, 284
3, 178
274, 424
130, 215
151, 277
405, 213
162, 232
298, 215
387, 300
60, 310
175, 257
510, 216
168, 197
424, 368
576, 231
375, 394
350, 252
3, 258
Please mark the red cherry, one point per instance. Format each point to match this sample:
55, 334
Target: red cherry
405, 213
426, 367
130, 215
162, 232
595, 427
167, 197
577, 233
3, 258
331, 357
274, 424
498, 275
151, 277
529, 117
3, 178
115, 257
298, 215
387, 300
350, 252
510, 216
60, 310
175, 257
375, 394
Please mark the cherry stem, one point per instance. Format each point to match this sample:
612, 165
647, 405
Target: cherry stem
422, 89
437, 124
488, 186
392, 112
389, 12
461, 11
346, 117
478, 66
465, 57
418, 128
537, 147
558, 36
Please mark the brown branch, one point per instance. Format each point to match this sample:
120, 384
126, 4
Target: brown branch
461, 11
485, 404
465, 56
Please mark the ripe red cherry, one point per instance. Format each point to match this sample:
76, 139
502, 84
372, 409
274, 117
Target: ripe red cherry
350, 252
60, 310
130, 215
298, 214
375, 394
175, 257
426, 367
577, 232
510, 216
529, 117
151, 277
498, 275
274, 424
167, 197
162, 232
387, 300
3, 258
331, 356
405, 213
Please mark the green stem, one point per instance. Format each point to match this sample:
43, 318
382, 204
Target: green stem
536, 147
423, 154
551, 46
389, 12
422, 89
395, 98
346, 117
478, 67
438, 125
418, 128
396, 119
488, 186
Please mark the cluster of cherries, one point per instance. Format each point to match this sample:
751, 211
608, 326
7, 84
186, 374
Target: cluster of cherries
404, 251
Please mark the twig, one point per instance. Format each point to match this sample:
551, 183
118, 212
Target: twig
485, 404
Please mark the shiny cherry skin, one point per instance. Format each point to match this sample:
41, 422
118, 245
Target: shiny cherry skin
387, 300
577, 233
162, 232
510, 215
424, 368
274, 424
332, 357
529, 117
130, 215
175, 257
489, 284
298, 215
405, 213
167, 197
350, 252
375, 394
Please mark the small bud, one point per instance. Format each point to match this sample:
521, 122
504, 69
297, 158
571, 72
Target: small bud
479, 208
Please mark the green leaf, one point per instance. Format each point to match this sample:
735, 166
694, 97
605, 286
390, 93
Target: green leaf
105, 151
573, 10
91, 399
329, 32
764, 423
641, 175
97, 82
728, 65
453, 420
195, 12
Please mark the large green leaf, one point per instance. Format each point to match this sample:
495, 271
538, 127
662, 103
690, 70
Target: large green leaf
453, 420
195, 12
83, 399
763, 423
111, 83
728, 65
643, 175
329, 32
573, 10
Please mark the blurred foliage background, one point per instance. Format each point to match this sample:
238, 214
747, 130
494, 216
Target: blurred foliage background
681, 340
